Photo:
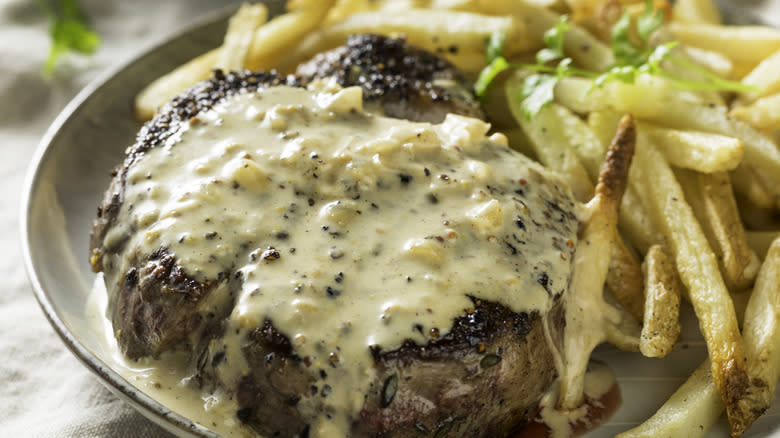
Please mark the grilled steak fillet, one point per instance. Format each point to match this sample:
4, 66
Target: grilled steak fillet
482, 378
398, 80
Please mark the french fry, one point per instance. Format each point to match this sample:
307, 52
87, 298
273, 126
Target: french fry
764, 77
636, 224
763, 114
633, 222
698, 270
624, 280
345, 8
696, 150
591, 263
661, 327
238, 37
712, 200
762, 337
713, 61
551, 144
272, 41
164, 88
267, 39
688, 413
455, 5
649, 98
742, 44
433, 30
708, 97
696, 12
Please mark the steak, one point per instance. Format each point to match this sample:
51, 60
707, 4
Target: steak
482, 377
398, 80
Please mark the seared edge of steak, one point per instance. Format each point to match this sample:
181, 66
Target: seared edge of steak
403, 80
484, 377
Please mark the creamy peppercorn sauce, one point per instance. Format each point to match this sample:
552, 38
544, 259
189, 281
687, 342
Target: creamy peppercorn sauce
349, 230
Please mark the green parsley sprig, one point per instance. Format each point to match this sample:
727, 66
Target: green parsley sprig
68, 30
632, 58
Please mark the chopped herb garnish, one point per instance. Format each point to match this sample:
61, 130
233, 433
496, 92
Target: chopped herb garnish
68, 30
634, 55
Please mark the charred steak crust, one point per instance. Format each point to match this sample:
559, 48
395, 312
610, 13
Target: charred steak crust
405, 81
481, 377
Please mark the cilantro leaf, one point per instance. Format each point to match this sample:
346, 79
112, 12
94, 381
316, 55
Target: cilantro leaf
649, 21
624, 49
488, 74
495, 46
538, 92
553, 39
68, 31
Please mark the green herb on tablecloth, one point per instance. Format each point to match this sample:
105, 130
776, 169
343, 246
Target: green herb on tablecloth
69, 31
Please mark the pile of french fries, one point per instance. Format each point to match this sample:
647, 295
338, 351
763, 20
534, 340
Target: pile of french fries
699, 220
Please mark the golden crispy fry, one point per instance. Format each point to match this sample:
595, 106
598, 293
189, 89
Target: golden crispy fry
267, 40
763, 114
764, 77
742, 44
698, 268
272, 41
344, 8
163, 89
696, 12
649, 98
713, 61
708, 97
589, 316
588, 147
713, 203
551, 144
624, 280
439, 31
661, 327
455, 5
762, 340
688, 413
696, 150
238, 37
634, 222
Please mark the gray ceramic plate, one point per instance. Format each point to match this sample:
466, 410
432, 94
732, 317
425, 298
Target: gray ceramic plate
67, 178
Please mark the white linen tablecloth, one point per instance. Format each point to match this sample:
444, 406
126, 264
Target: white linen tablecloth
45, 391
